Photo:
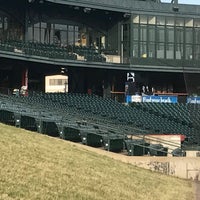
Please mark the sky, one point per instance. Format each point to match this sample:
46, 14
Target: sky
195, 2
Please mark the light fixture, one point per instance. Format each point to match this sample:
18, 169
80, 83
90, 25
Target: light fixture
87, 10
126, 15
175, 8
63, 70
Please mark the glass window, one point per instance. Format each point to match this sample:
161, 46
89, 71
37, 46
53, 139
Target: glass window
43, 25
169, 51
179, 42
51, 33
48, 35
151, 52
30, 32
197, 52
136, 19
58, 26
160, 50
51, 81
42, 35
170, 21
160, 34
197, 36
196, 22
179, 22
170, 34
126, 52
71, 28
36, 34
71, 35
152, 20
76, 35
143, 49
179, 34
160, 20
135, 50
125, 32
57, 81
76, 28
188, 52
189, 35
37, 25
63, 37
135, 33
10, 29
143, 33
57, 37
152, 33
189, 22
143, 19
5, 23
179, 51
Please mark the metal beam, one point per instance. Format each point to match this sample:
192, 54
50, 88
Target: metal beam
75, 63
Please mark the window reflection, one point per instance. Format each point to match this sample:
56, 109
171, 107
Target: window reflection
189, 35
59, 34
166, 37
170, 51
197, 52
160, 50
161, 34
151, 53
163, 37
188, 52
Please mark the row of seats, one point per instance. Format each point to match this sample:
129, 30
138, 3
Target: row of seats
84, 117
177, 111
39, 113
179, 117
52, 51
106, 111
146, 117
184, 113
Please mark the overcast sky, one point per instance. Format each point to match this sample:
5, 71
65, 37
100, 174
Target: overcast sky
195, 2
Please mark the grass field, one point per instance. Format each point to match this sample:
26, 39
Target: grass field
34, 166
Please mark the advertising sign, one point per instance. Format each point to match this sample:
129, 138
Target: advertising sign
193, 100
160, 99
133, 98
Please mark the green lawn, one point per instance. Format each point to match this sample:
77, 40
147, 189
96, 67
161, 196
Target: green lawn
35, 166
